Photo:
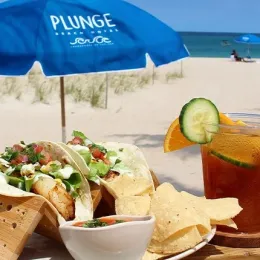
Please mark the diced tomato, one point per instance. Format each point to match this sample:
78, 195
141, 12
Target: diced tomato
97, 153
21, 158
79, 224
109, 221
17, 148
46, 158
13, 162
77, 140
38, 148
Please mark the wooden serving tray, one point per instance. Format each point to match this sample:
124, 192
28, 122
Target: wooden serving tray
20, 217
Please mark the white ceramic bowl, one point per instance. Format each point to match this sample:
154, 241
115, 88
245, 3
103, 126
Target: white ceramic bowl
124, 241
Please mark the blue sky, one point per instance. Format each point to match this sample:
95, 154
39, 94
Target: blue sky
206, 15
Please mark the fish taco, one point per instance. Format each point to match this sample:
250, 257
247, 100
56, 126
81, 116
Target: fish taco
120, 167
45, 169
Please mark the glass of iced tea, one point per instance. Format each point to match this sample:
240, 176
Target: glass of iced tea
231, 168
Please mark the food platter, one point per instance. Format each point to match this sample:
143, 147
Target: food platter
94, 191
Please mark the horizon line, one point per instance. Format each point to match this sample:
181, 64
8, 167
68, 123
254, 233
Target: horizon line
217, 32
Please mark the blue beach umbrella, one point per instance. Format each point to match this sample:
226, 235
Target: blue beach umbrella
82, 36
248, 39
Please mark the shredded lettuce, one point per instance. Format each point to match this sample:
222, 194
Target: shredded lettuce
28, 183
111, 154
73, 183
86, 155
99, 168
79, 134
17, 182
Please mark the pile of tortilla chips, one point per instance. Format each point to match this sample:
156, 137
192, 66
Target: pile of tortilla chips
181, 218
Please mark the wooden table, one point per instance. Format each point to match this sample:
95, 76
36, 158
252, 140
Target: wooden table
211, 252
42, 248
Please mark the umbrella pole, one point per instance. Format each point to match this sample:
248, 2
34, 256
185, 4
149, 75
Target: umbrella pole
63, 117
106, 90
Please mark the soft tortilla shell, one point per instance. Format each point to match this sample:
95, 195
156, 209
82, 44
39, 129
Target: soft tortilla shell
84, 208
132, 157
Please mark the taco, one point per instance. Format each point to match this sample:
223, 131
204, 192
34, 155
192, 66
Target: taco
46, 169
120, 167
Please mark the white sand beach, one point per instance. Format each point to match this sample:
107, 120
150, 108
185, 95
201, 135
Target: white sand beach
142, 117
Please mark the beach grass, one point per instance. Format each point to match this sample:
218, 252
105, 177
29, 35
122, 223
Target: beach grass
89, 88
169, 76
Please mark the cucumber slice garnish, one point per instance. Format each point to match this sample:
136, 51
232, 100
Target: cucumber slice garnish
232, 160
199, 120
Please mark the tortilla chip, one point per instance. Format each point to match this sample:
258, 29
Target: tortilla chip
179, 242
173, 213
226, 222
133, 205
217, 209
125, 185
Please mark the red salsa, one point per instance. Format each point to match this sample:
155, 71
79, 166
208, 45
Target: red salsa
100, 222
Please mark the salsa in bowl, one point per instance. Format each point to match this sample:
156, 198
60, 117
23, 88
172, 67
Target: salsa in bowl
100, 222
110, 238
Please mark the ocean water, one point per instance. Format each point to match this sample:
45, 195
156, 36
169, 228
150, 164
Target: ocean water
216, 45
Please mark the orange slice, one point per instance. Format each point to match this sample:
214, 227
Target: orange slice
241, 123
175, 140
225, 120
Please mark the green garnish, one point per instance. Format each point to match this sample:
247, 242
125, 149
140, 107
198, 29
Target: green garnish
32, 156
118, 161
99, 223
100, 148
119, 221
121, 149
79, 134
9, 154
94, 223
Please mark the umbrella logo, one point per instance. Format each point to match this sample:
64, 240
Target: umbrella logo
98, 40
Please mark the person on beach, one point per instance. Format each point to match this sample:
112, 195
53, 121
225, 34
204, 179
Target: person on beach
234, 56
